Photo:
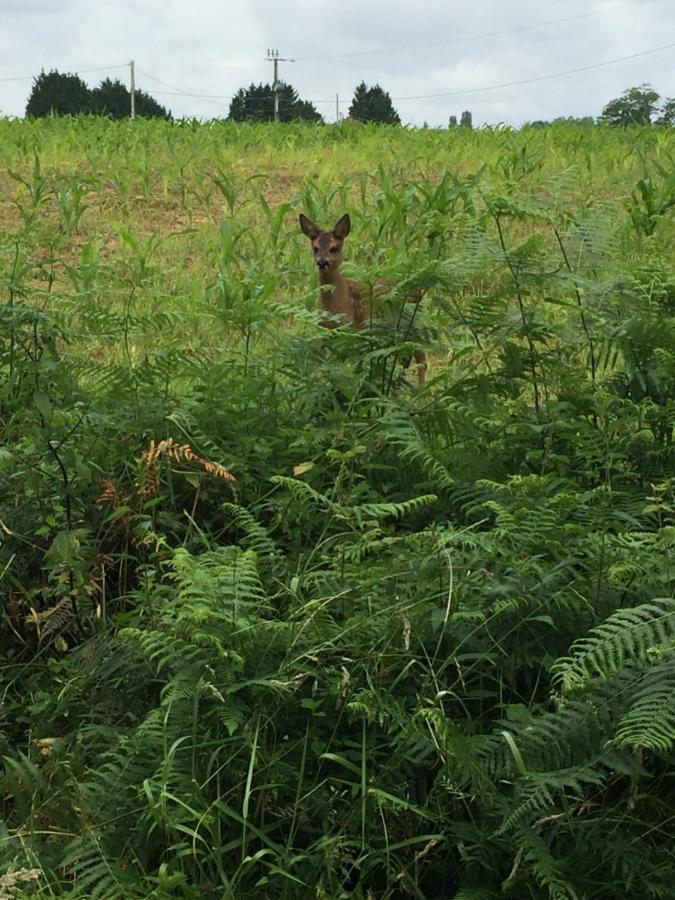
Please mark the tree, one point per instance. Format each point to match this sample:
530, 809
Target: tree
373, 105
466, 121
667, 116
149, 108
62, 94
452, 122
58, 93
113, 98
581, 121
256, 104
636, 105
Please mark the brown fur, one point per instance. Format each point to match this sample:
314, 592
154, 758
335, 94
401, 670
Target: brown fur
343, 296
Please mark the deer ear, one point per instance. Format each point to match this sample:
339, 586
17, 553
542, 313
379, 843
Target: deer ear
342, 227
308, 227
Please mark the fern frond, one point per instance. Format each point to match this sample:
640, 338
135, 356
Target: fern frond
628, 636
96, 875
308, 497
254, 535
547, 870
541, 790
379, 511
11, 880
303, 493
477, 894
400, 431
559, 739
650, 721
217, 579
54, 619
177, 453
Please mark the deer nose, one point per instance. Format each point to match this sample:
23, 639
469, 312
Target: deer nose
322, 263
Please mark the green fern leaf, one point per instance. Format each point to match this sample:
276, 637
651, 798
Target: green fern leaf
650, 721
627, 637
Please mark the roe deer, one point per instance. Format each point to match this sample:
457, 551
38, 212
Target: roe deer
342, 296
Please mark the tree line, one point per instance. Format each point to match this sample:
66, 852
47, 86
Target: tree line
255, 103
56, 93
640, 106
59, 93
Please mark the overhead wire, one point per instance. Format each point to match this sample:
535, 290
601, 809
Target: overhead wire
458, 39
181, 92
216, 99
266, 99
76, 72
505, 84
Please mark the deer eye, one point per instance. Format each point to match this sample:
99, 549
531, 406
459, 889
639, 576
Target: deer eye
334, 249
316, 249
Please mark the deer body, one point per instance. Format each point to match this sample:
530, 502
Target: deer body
339, 295
342, 297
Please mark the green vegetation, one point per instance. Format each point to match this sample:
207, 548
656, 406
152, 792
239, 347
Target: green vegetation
373, 104
255, 104
60, 94
639, 106
422, 646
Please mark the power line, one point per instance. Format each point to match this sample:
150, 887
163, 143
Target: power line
461, 38
266, 99
77, 72
181, 92
177, 91
505, 84
175, 87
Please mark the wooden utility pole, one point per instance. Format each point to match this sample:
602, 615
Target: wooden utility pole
273, 56
132, 66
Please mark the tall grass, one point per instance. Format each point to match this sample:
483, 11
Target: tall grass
277, 623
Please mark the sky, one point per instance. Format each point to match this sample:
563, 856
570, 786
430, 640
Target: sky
452, 49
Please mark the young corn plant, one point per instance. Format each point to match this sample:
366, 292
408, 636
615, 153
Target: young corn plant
277, 623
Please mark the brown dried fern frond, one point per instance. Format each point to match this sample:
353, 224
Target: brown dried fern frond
50, 621
112, 493
12, 879
182, 453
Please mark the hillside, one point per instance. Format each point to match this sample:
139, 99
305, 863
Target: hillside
276, 622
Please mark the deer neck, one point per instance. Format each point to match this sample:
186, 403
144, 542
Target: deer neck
341, 297
333, 289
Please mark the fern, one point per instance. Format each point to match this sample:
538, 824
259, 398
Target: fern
629, 636
547, 871
307, 497
429, 662
402, 433
254, 536
650, 720
539, 792
561, 738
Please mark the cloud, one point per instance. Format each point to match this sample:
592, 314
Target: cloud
207, 47
30, 8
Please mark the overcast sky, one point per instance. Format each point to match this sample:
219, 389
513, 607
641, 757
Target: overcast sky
213, 47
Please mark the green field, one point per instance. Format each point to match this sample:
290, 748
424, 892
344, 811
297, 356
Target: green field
276, 622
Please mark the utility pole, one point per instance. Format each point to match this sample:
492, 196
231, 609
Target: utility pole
132, 66
273, 56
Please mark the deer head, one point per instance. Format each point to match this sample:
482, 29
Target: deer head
326, 245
